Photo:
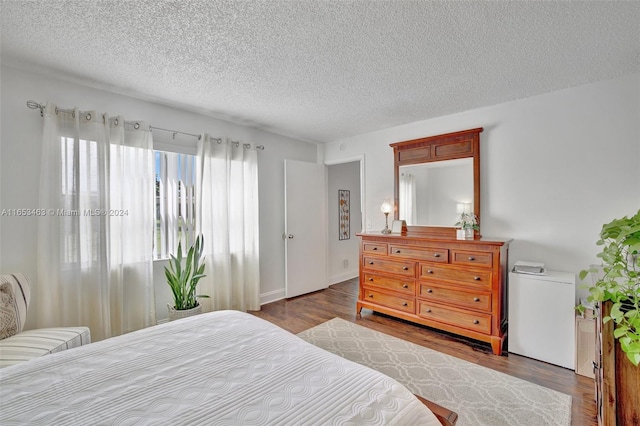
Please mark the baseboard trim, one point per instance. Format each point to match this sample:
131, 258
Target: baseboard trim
272, 296
343, 277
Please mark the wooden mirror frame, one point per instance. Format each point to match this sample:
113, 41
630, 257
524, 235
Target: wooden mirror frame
449, 146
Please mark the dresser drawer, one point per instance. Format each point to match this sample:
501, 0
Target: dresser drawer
405, 304
477, 279
478, 258
465, 319
420, 253
374, 248
407, 286
476, 300
392, 266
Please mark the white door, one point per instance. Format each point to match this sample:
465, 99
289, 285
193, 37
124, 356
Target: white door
305, 227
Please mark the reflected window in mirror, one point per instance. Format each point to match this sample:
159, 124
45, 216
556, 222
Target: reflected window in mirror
430, 194
408, 203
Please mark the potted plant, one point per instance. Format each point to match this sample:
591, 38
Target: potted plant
618, 282
467, 224
182, 276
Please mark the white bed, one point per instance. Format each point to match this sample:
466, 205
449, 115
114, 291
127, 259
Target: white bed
224, 367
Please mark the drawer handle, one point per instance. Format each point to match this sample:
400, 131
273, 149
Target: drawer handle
375, 249
429, 290
371, 295
405, 286
476, 322
370, 279
476, 278
436, 255
476, 299
405, 268
471, 258
429, 271
370, 262
428, 311
397, 251
405, 304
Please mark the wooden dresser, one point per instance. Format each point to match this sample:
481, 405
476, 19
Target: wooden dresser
458, 286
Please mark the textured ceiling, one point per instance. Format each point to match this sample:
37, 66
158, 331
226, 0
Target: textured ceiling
321, 70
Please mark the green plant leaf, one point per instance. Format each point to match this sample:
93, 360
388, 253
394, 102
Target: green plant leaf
619, 332
634, 358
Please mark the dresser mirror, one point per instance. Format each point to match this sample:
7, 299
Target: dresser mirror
436, 179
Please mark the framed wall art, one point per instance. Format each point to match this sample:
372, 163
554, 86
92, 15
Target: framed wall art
344, 233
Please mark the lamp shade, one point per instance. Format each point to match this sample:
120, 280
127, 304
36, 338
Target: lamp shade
386, 207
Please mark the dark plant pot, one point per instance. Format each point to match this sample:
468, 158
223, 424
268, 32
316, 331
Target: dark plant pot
627, 389
620, 380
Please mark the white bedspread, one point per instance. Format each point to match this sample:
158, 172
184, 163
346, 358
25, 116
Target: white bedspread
218, 368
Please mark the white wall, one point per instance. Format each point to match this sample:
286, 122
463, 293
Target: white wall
554, 167
20, 162
343, 176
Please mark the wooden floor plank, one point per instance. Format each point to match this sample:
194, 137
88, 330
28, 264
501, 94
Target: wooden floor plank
339, 300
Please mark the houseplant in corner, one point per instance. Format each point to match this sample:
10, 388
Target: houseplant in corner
617, 283
182, 276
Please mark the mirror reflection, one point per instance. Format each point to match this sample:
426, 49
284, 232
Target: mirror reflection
435, 193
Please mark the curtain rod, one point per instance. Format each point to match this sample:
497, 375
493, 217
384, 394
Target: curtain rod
37, 105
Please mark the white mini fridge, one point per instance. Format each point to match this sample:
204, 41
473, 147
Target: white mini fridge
542, 317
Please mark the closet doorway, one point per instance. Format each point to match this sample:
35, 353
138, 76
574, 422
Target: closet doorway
345, 185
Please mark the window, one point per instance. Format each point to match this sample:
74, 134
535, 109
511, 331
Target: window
175, 202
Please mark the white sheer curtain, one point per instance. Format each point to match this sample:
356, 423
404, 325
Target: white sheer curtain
227, 217
407, 194
95, 244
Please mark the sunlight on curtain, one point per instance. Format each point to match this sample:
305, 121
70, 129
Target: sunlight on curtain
227, 216
407, 194
95, 243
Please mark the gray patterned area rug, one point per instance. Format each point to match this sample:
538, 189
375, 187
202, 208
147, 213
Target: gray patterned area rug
479, 395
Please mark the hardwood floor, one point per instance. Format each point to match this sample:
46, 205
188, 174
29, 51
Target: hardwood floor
339, 300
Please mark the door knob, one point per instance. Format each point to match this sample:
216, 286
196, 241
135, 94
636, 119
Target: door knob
290, 236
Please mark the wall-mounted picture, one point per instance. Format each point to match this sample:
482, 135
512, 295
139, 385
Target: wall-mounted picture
344, 232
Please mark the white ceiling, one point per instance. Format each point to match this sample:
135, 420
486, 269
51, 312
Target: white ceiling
321, 70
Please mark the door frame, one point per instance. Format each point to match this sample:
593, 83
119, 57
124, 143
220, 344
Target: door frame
360, 159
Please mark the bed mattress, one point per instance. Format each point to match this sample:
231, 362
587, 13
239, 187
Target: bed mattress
221, 368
